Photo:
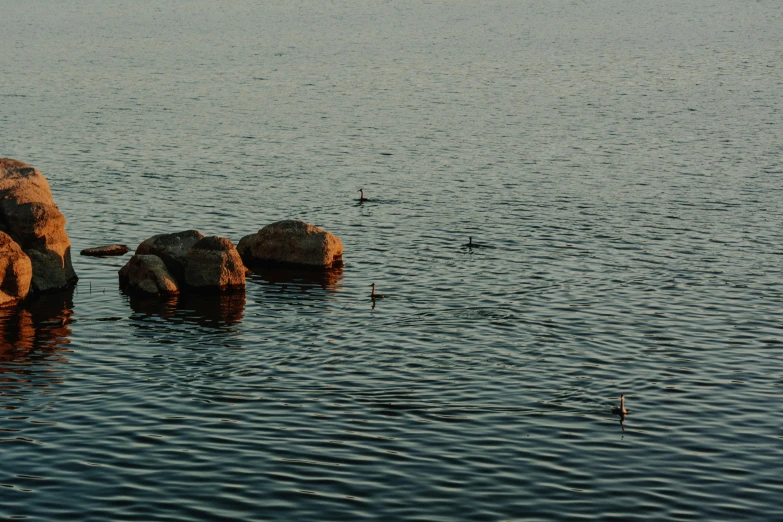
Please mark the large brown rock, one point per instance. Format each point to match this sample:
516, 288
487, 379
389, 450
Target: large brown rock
292, 243
147, 275
171, 248
214, 265
16, 271
29, 215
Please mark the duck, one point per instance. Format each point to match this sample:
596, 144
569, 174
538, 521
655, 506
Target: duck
361, 196
375, 296
621, 411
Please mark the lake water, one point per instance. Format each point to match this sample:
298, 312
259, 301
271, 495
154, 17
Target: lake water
621, 161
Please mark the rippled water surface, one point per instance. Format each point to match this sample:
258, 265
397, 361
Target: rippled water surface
619, 160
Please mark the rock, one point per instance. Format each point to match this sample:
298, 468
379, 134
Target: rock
292, 243
213, 264
16, 271
147, 274
106, 250
171, 248
29, 215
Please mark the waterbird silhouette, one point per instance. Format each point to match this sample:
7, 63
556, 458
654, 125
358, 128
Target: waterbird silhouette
471, 244
362, 199
621, 411
375, 296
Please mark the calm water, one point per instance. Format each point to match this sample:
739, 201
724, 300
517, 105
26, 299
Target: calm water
622, 159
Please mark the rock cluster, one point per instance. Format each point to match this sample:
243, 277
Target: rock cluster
167, 264
30, 219
35, 251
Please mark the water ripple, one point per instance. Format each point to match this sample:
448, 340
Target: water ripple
622, 179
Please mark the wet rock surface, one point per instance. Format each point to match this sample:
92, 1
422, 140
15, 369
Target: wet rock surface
171, 248
292, 242
105, 250
147, 274
30, 217
16, 271
213, 264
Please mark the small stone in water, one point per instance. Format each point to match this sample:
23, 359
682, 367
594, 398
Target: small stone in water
106, 250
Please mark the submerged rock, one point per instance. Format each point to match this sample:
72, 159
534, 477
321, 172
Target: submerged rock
292, 242
106, 250
213, 264
16, 271
30, 217
171, 248
147, 274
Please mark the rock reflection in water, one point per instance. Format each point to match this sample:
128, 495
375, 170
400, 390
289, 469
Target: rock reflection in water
296, 279
213, 311
35, 329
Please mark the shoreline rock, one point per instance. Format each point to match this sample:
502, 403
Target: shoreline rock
30, 217
16, 271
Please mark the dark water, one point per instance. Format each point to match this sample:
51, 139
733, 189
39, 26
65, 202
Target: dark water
621, 159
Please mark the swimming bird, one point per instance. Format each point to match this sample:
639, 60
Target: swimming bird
373, 295
471, 244
361, 196
621, 411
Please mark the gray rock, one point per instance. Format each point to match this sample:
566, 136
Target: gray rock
29, 215
147, 274
292, 243
171, 248
214, 265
